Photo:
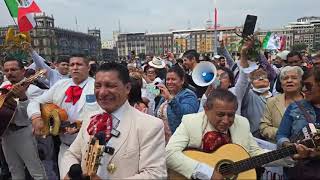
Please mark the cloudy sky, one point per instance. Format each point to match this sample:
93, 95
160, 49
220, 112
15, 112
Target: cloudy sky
162, 15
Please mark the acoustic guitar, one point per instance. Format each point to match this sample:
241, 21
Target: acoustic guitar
55, 120
95, 149
234, 162
8, 104
52, 115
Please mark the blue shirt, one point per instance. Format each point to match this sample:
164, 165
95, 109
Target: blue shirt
294, 120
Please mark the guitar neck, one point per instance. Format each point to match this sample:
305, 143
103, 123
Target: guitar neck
26, 81
258, 161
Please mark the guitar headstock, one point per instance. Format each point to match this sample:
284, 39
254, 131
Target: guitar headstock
311, 134
93, 157
32, 78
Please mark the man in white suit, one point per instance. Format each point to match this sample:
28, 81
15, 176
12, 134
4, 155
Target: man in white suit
219, 117
75, 95
139, 147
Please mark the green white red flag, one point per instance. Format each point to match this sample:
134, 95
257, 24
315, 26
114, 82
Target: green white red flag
23, 10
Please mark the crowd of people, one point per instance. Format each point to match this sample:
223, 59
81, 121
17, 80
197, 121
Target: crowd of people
150, 112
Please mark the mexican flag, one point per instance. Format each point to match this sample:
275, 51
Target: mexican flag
12, 6
274, 41
23, 10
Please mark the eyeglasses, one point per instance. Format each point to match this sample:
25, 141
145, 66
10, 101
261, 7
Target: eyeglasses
151, 72
260, 78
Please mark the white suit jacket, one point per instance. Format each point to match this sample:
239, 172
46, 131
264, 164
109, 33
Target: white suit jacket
56, 95
139, 150
189, 135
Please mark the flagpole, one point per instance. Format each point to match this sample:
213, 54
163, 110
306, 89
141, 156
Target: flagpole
215, 28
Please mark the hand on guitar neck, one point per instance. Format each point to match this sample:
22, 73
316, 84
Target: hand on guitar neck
19, 91
303, 151
71, 128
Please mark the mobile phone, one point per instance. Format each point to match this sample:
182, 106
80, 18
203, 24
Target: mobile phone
249, 25
156, 83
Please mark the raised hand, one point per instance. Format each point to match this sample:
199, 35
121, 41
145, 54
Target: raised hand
164, 92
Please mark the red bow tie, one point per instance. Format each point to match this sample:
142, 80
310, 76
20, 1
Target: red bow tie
73, 94
212, 140
100, 122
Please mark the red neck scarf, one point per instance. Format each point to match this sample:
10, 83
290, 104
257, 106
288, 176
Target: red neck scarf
101, 122
213, 140
73, 94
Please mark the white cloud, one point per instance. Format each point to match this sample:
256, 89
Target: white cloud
162, 15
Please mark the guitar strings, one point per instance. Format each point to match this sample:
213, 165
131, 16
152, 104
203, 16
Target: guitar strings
250, 164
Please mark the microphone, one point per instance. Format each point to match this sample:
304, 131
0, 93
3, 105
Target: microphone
75, 172
101, 136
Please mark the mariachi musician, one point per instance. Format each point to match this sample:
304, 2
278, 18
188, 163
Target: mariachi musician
18, 143
74, 95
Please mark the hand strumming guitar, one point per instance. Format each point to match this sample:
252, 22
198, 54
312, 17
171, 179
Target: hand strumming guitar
37, 125
216, 175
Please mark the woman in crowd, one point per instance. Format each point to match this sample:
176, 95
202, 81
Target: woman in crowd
134, 97
253, 86
291, 83
176, 100
150, 79
297, 116
225, 81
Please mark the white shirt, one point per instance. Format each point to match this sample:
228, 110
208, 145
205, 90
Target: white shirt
72, 110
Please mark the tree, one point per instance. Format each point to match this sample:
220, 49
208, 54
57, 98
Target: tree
316, 46
299, 47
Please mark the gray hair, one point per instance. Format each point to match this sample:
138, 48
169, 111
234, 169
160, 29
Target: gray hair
287, 69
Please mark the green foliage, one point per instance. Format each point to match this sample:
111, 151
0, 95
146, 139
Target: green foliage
299, 47
254, 52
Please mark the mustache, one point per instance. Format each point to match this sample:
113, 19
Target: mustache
10, 76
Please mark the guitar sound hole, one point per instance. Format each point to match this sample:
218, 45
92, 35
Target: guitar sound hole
51, 122
226, 169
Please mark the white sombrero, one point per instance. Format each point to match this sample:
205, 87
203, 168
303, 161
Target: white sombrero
157, 62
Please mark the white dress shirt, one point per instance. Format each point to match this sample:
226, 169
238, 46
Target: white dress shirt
73, 115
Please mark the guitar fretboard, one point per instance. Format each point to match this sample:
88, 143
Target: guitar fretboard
258, 161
